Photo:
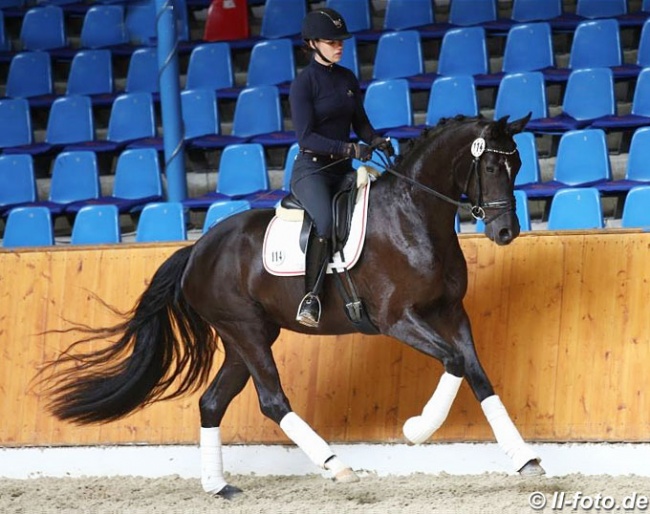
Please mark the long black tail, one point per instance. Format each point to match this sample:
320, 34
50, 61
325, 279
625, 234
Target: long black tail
162, 343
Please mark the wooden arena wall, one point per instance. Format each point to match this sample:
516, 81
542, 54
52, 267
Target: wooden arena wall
562, 324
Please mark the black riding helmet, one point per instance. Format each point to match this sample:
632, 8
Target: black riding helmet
324, 23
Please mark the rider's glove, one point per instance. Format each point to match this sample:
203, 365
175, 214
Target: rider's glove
359, 151
383, 144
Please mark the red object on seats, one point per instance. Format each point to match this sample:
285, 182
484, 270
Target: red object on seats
227, 20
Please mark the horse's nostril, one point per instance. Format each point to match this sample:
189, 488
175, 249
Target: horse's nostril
505, 235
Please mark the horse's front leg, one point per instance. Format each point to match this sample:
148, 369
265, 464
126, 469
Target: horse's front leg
452, 344
524, 459
420, 334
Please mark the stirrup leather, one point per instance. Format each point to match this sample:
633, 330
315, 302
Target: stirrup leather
309, 311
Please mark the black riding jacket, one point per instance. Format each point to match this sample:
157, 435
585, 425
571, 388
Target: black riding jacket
325, 102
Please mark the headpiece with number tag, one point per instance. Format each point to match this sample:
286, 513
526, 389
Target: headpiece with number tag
478, 147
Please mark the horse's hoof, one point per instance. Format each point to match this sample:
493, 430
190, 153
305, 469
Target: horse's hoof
229, 492
346, 476
532, 469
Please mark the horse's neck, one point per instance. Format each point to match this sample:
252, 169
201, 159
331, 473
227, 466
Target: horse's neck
417, 209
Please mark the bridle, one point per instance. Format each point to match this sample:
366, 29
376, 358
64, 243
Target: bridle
478, 148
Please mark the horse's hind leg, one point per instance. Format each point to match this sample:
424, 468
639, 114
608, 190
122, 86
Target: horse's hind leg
255, 350
228, 383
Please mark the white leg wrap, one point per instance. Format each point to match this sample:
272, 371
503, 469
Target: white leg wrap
506, 433
306, 439
419, 428
212, 478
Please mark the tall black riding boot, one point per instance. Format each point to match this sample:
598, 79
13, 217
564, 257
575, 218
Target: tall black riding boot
316, 259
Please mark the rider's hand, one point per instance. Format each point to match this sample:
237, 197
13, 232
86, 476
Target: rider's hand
359, 151
383, 144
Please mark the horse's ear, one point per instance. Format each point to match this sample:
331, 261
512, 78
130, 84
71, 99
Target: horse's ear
518, 125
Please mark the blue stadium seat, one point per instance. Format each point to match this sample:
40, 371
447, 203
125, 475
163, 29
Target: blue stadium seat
103, 26
529, 47
635, 209
535, 10
15, 123
17, 182
91, 73
576, 209
5, 40
131, 119
640, 112
643, 52
288, 166
582, 160
219, 211
242, 176
451, 96
96, 225
521, 93
472, 12
601, 8
75, 180
349, 57
272, 63
30, 76
399, 55
161, 221
282, 18
43, 28
258, 117
137, 182
200, 119
589, 96
406, 14
210, 66
388, 105
70, 121
637, 171
200, 114
142, 73
464, 52
596, 43
27, 227
529, 172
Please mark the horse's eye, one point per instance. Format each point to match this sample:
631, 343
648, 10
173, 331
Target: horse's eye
489, 169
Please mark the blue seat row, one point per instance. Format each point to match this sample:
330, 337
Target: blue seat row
257, 118
32, 226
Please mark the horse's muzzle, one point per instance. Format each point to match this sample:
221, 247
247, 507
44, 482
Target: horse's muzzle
504, 228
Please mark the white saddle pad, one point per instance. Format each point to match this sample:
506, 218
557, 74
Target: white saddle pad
282, 254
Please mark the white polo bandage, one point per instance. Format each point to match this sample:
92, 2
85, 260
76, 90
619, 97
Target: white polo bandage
506, 433
306, 439
212, 478
419, 428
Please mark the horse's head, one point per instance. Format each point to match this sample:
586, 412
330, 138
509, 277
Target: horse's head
490, 183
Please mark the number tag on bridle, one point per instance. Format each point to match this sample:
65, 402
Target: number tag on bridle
478, 147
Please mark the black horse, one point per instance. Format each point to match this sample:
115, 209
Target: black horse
412, 276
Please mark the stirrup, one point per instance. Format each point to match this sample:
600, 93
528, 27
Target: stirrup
309, 311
